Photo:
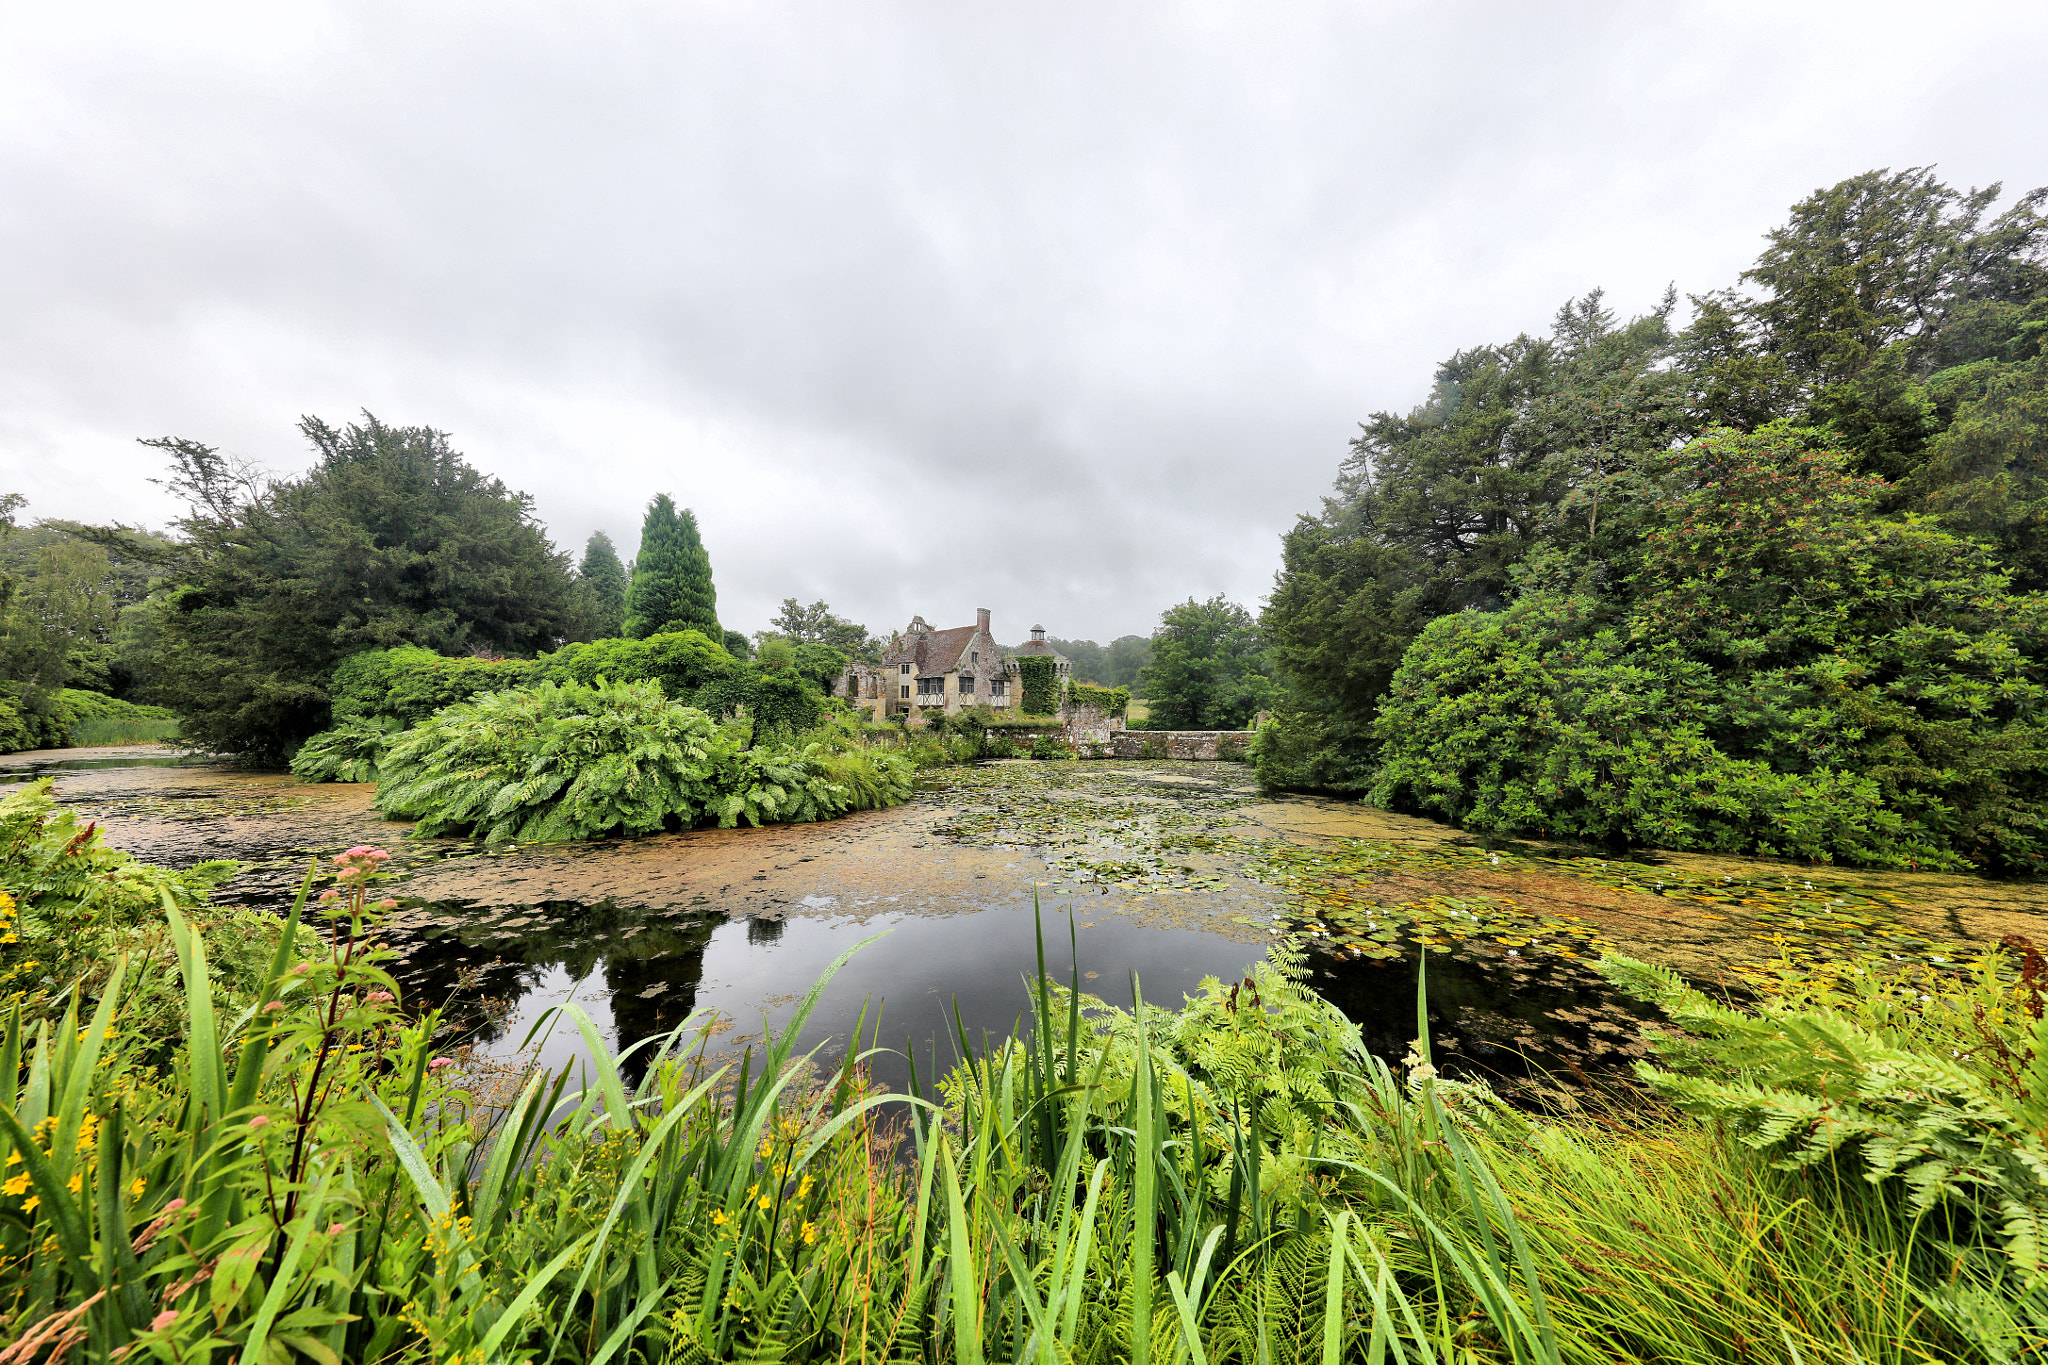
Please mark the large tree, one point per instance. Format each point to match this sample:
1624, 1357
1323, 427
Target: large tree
391, 538
817, 624
671, 588
1900, 318
1786, 671
604, 579
1209, 669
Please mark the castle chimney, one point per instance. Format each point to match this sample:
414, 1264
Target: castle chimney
1038, 635
981, 619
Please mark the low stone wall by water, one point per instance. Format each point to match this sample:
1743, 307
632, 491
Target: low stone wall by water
1224, 744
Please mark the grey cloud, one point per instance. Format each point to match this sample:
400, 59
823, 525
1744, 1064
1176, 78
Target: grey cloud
1061, 310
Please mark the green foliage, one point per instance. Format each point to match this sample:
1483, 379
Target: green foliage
1896, 336
556, 761
605, 578
1944, 1106
392, 538
1038, 684
1209, 668
99, 719
1341, 614
30, 722
1111, 701
1796, 677
408, 684
671, 588
818, 625
1237, 1181
776, 654
681, 661
73, 906
785, 703
350, 752
1986, 475
573, 761
1046, 746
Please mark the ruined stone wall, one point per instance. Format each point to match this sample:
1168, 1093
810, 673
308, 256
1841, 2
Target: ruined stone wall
1090, 731
1197, 744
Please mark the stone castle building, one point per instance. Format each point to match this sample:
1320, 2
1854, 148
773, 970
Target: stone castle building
947, 669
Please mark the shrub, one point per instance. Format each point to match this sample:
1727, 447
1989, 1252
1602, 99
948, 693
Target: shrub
408, 683
350, 752
1788, 675
569, 761
681, 661
22, 728
556, 761
1045, 746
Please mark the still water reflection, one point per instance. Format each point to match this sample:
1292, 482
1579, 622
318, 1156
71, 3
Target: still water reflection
1146, 867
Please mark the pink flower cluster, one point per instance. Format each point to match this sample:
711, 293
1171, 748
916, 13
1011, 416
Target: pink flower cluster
359, 862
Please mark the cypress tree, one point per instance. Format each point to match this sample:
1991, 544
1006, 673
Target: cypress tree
671, 587
606, 578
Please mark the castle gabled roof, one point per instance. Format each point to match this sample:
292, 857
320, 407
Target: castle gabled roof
939, 651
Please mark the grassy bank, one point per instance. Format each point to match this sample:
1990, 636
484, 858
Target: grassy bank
293, 1169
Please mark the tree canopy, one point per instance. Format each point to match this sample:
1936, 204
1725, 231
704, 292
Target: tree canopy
1209, 669
604, 578
671, 587
1768, 582
390, 538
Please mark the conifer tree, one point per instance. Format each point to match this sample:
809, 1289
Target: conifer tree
671, 587
605, 576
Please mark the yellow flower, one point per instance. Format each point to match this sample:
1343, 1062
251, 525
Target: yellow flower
136, 1187
810, 1233
77, 1183
764, 1201
17, 1186
803, 1187
718, 1218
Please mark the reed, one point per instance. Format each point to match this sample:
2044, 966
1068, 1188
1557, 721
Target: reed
1232, 1181
123, 730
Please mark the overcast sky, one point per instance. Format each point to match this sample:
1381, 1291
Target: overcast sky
1062, 310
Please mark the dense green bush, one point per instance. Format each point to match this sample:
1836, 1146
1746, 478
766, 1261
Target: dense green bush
681, 661
1784, 673
574, 761
350, 752
26, 725
556, 761
408, 684
99, 706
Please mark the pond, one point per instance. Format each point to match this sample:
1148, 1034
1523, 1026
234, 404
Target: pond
1145, 874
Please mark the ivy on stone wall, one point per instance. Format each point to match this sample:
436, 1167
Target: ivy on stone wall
1040, 679
1111, 701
